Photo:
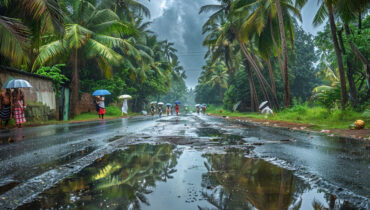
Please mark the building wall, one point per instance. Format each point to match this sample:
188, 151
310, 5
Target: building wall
42, 90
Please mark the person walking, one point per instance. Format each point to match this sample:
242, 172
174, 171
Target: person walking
5, 107
152, 109
124, 107
168, 110
18, 104
198, 109
160, 110
177, 109
101, 107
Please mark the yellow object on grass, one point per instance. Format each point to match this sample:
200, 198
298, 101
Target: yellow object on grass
359, 124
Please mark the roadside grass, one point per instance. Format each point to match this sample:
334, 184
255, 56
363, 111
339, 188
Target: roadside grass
318, 117
111, 113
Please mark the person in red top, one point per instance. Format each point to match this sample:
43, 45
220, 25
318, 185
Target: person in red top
177, 109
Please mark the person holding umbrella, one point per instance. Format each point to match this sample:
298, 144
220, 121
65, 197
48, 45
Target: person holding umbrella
18, 101
5, 107
168, 107
100, 101
177, 107
197, 106
160, 108
152, 108
124, 104
19, 104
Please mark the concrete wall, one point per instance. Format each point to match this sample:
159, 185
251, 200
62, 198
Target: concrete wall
42, 90
86, 103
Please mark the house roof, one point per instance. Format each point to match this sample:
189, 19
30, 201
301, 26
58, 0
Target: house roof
9, 69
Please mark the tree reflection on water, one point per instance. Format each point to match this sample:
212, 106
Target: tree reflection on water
236, 182
120, 180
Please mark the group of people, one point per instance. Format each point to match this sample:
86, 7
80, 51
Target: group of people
201, 109
12, 105
100, 106
169, 109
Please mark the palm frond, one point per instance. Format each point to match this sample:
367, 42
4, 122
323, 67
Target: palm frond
49, 52
13, 40
210, 8
320, 16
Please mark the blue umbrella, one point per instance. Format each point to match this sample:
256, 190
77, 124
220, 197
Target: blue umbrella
101, 93
177, 102
168, 104
17, 83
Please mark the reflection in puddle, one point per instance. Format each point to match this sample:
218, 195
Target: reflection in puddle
149, 176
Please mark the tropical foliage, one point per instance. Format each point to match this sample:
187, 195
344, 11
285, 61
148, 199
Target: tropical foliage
268, 56
104, 44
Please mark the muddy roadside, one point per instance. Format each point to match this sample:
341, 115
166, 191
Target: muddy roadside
363, 134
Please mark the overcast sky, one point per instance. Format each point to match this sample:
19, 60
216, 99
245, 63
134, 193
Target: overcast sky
178, 21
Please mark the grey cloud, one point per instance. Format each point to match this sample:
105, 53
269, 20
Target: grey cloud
180, 23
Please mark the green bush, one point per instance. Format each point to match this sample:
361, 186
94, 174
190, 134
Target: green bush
113, 111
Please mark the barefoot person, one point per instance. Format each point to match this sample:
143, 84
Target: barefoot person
5, 107
19, 104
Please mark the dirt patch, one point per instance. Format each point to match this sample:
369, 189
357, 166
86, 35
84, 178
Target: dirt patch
347, 133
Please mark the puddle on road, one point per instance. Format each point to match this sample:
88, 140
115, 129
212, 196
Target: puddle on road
147, 176
219, 136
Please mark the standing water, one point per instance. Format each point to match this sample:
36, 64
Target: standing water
162, 176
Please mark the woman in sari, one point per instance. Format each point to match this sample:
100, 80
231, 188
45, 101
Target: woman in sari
19, 104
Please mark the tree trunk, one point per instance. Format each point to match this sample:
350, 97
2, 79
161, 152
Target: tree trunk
342, 76
277, 48
350, 72
359, 23
228, 60
285, 55
75, 84
359, 55
263, 82
253, 92
273, 86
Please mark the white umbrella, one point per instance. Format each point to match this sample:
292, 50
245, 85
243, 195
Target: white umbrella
153, 102
161, 103
125, 97
263, 104
17, 83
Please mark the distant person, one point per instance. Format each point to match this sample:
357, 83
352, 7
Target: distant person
152, 109
124, 107
101, 107
5, 107
198, 109
19, 104
160, 110
177, 109
168, 110
204, 109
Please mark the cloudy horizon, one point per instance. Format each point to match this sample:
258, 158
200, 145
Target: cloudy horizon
178, 21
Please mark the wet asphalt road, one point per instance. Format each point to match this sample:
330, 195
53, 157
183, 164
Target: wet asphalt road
47, 154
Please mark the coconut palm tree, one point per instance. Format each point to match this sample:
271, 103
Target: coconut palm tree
327, 10
89, 33
262, 14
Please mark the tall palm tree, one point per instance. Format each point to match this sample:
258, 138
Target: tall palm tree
89, 33
264, 14
327, 10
